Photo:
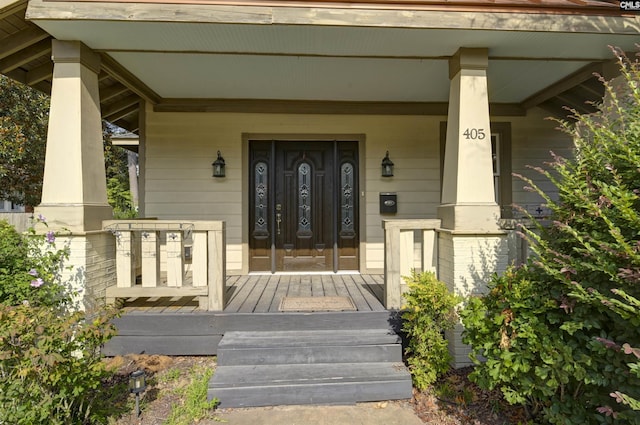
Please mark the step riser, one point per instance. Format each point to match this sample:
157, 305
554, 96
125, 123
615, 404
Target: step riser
389, 353
346, 393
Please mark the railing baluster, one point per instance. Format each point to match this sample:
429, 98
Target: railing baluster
175, 258
150, 258
399, 254
199, 259
125, 267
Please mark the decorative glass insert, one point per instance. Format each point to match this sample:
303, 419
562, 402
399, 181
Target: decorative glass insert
261, 197
304, 197
346, 198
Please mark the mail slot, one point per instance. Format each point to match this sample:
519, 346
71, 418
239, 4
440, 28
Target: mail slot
388, 203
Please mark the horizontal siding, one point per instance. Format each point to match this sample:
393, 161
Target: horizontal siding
533, 140
180, 148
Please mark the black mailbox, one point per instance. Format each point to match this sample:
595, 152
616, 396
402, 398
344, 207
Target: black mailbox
388, 203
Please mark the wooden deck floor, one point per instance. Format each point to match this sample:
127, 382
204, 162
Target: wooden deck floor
263, 293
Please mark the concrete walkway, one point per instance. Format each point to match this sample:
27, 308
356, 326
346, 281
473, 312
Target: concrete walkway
384, 413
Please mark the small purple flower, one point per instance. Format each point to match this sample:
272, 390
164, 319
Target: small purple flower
36, 283
51, 237
33, 272
42, 218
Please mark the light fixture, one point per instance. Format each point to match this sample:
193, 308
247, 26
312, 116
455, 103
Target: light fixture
218, 166
137, 384
387, 166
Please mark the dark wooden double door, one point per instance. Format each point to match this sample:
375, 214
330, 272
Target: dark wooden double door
303, 206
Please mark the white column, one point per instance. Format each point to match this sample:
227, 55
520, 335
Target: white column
468, 197
471, 245
74, 190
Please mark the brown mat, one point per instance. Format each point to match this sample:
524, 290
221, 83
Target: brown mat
317, 304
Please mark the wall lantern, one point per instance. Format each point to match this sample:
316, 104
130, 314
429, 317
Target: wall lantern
387, 166
218, 166
137, 384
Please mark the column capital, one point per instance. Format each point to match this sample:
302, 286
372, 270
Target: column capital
468, 58
75, 52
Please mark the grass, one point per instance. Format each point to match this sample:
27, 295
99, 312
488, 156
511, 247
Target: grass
194, 405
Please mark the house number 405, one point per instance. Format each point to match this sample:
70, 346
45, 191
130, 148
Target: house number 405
474, 134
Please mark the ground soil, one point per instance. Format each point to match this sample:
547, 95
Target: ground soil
453, 400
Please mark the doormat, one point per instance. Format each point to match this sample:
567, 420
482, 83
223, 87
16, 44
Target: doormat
317, 304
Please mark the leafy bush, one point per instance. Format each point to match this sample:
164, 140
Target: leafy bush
29, 268
429, 311
50, 367
559, 334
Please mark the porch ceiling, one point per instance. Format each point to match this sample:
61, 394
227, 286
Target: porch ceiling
544, 63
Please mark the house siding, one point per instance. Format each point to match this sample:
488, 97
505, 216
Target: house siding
180, 148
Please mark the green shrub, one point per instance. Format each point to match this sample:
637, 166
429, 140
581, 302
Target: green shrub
50, 367
429, 311
562, 334
29, 268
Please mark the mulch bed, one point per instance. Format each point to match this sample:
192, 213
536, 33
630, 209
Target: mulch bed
454, 400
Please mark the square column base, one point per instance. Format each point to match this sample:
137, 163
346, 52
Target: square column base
479, 218
467, 262
75, 218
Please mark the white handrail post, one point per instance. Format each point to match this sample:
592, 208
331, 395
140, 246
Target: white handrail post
392, 277
217, 268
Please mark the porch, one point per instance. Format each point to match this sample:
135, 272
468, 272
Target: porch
264, 293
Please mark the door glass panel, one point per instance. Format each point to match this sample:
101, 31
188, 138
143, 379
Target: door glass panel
261, 203
346, 203
304, 198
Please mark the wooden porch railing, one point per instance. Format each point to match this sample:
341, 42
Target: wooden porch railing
138, 252
400, 254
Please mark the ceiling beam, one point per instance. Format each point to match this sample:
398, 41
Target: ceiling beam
121, 114
321, 107
21, 40
578, 77
111, 110
127, 125
114, 90
13, 9
19, 75
119, 73
28, 54
40, 73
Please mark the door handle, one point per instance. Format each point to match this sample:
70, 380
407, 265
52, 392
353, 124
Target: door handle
278, 220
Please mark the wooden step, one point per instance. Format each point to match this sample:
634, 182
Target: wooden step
198, 333
289, 347
341, 383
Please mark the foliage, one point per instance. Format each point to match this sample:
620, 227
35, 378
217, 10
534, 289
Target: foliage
429, 311
50, 366
195, 405
561, 334
118, 192
29, 268
23, 131
24, 115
